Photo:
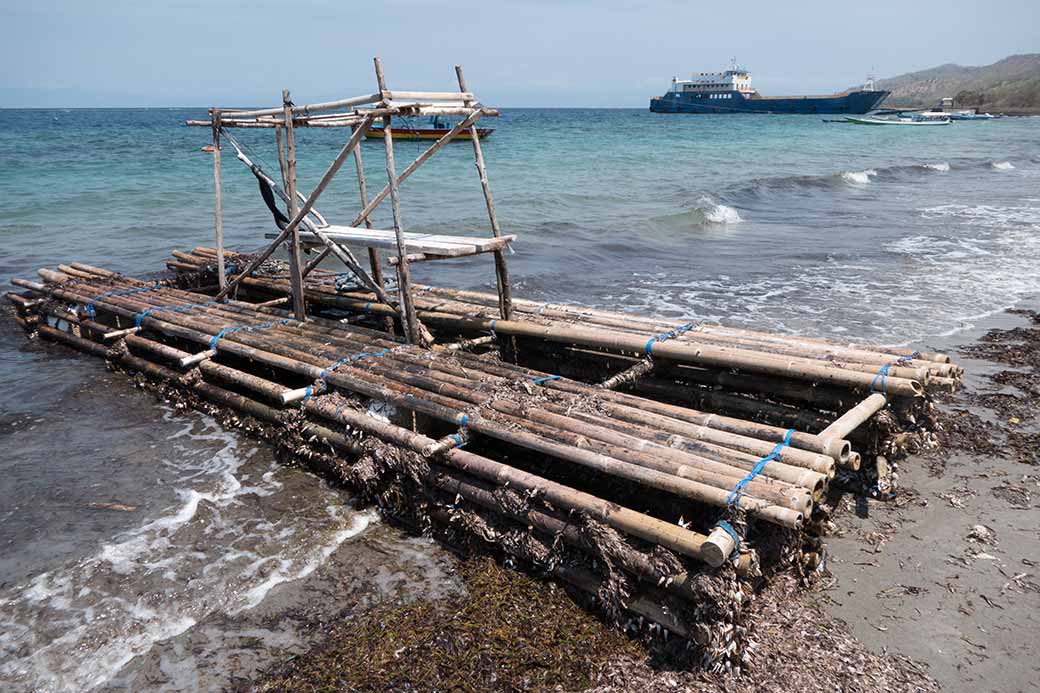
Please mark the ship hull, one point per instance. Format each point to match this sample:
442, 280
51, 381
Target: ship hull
850, 103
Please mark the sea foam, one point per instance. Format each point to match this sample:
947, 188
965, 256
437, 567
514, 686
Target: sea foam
941, 166
1002, 165
858, 177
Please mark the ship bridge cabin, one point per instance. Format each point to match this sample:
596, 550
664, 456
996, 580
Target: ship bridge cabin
715, 85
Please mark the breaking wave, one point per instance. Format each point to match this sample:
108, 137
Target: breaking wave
1002, 165
858, 177
941, 166
76, 627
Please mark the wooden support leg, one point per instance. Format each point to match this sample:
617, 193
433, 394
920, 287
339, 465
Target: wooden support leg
295, 262
505, 292
404, 286
218, 201
373, 254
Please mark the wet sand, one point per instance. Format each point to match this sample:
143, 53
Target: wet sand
949, 573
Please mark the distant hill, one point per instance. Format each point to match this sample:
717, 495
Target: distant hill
1011, 84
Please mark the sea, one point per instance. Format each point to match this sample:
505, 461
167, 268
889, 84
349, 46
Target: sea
127, 525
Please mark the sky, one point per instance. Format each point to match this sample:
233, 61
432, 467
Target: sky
117, 53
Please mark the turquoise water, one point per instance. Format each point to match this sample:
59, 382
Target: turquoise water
779, 222
783, 221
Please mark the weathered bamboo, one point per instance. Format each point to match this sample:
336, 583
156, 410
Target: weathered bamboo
217, 200
505, 292
359, 381
404, 288
684, 352
368, 207
299, 300
855, 417
299, 216
281, 157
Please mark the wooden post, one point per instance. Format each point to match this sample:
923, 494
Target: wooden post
281, 156
404, 287
373, 254
369, 207
301, 216
218, 201
295, 263
505, 293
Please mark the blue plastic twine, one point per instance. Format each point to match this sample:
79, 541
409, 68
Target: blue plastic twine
728, 529
244, 328
173, 309
92, 313
664, 336
774, 455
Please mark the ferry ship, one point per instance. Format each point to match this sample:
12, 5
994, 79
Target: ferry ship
730, 91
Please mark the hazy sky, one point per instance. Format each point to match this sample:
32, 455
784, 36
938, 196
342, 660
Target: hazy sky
536, 53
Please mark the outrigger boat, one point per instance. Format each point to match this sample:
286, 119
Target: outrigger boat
437, 129
923, 119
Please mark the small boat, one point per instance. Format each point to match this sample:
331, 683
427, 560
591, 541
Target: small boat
971, 115
437, 129
916, 120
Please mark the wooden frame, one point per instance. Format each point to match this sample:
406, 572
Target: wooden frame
358, 113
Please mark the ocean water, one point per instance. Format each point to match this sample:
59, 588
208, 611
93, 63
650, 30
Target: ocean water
780, 222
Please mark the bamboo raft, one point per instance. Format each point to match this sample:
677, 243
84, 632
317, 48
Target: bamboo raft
661, 468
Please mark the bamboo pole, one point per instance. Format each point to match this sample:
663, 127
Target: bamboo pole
281, 156
505, 292
637, 524
855, 417
368, 207
409, 322
299, 300
218, 202
373, 254
301, 214
259, 347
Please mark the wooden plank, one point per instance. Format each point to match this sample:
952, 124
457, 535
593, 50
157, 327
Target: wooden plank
434, 244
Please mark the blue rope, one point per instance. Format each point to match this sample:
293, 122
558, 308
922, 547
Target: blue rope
324, 375
539, 381
92, 313
244, 328
173, 309
774, 455
306, 395
459, 441
881, 375
493, 335
462, 419
668, 335
728, 529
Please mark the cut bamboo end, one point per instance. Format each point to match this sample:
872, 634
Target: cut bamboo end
197, 358
718, 547
854, 462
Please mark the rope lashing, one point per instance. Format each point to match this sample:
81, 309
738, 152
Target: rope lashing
774, 455
880, 377
324, 375
176, 308
539, 381
882, 373
492, 330
728, 529
541, 308
224, 331
92, 313
682, 329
